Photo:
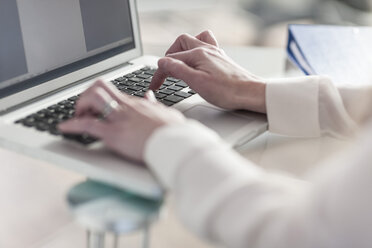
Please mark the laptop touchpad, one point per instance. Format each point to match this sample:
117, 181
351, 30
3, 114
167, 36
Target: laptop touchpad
224, 123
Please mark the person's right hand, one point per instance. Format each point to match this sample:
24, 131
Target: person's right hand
211, 73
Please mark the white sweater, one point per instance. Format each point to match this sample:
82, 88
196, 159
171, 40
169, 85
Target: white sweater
230, 201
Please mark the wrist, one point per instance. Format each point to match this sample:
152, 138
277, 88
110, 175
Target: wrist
251, 95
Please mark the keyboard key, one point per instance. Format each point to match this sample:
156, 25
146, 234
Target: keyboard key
69, 136
145, 89
42, 114
40, 117
71, 113
83, 139
121, 87
175, 88
64, 116
166, 91
150, 72
54, 131
174, 99
143, 84
63, 102
32, 116
181, 84
144, 76
53, 107
29, 122
137, 72
192, 92
159, 95
42, 126
165, 102
129, 75
115, 83
60, 109
69, 105
128, 91
139, 94
86, 140
43, 111
72, 102
19, 121
127, 83
135, 88
73, 98
183, 94
121, 79
50, 112
173, 79
168, 83
148, 80
134, 79
51, 121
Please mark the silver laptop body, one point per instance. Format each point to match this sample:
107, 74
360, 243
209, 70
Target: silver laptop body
56, 50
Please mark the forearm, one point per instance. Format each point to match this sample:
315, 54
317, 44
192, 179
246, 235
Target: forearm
230, 201
220, 195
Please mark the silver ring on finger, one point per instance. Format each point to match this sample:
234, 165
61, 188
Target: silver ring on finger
108, 109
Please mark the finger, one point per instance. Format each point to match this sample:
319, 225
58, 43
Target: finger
150, 96
92, 102
208, 37
185, 42
158, 78
170, 67
121, 98
92, 90
97, 96
109, 88
191, 57
86, 125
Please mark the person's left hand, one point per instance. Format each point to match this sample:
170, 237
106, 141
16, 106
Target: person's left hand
128, 121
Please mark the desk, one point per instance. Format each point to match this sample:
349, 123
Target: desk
33, 212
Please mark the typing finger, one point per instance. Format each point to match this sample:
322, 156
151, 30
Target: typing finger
185, 42
86, 125
176, 68
109, 88
208, 37
92, 102
150, 96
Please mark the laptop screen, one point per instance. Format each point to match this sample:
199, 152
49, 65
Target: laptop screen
41, 40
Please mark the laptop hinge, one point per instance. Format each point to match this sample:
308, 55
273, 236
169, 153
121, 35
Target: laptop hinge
37, 98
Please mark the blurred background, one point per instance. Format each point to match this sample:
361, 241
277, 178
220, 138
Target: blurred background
242, 22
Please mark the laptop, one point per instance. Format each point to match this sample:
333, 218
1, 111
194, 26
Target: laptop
51, 51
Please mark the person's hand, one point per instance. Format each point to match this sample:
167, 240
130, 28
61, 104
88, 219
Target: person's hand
122, 122
210, 72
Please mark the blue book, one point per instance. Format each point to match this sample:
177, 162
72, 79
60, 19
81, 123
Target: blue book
344, 53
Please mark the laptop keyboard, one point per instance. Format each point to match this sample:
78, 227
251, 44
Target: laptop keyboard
135, 83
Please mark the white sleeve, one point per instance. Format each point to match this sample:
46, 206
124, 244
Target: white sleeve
231, 202
311, 106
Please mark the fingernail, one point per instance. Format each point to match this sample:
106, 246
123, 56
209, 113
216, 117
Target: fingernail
150, 96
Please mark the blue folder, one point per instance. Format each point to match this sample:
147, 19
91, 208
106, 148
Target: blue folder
344, 53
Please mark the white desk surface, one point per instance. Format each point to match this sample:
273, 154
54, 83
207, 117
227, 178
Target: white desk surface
32, 193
